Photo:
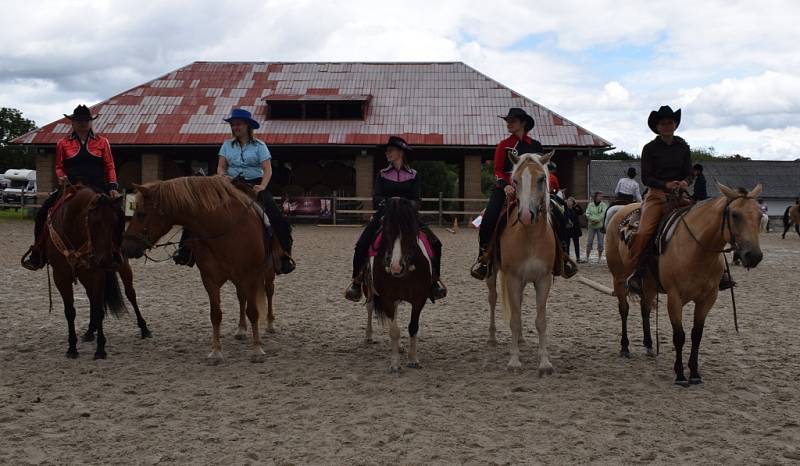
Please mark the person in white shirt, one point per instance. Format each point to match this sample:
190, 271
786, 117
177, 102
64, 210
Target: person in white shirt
627, 189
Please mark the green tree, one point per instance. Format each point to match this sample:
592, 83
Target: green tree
438, 177
12, 125
618, 155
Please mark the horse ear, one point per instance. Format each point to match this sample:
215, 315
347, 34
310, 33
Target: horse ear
545, 159
512, 155
728, 192
756, 191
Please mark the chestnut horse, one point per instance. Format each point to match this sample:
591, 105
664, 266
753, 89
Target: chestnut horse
527, 253
80, 246
791, 217
228, 242
399, 271
690, 268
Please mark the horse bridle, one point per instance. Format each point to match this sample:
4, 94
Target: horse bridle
74, 256
726, 222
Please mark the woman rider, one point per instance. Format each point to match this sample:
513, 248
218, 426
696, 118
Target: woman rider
396, 180
518, 124
247, 157
82, 157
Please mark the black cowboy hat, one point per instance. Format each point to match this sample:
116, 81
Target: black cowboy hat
664, 112
397, 141
516, 112
82, 113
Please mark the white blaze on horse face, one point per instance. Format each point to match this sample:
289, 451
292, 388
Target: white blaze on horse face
525, 201
397, 254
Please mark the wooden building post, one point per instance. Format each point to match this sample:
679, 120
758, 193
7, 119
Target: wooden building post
152, 168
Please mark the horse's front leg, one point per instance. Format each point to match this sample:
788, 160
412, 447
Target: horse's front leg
675, 309
270, 289
621, 292
126, 274
514, 289
254, 301
491, 284
64, 286
542, 293
97, 313
650, 292
701, 309
413, 329
241, 332
394, 335
213, 290
370, 305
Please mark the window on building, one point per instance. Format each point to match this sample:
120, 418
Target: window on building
352, 109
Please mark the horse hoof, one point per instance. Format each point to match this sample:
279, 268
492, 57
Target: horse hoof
214, 358
650, 353
682, 383
625, 354
491, 342
270, 329
72, 354
369, 342
414, 365
514, 366
100, 355
258, 358
146, 334
547, 370
394, 370
695, 380
87, 337
240, 336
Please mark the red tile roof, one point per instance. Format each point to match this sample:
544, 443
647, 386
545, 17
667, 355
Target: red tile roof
448, 104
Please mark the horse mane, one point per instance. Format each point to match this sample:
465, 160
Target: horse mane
194, 195
400, 218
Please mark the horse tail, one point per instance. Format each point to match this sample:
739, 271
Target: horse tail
112, 296
786, 216
504, 297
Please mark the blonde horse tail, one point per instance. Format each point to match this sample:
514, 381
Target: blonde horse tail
504, 297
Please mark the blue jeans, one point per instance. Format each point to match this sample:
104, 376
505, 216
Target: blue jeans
595, 232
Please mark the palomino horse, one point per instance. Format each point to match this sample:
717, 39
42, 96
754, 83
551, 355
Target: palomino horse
527, 254
791, 217
228, 242
80, 246
691, 266
399, 271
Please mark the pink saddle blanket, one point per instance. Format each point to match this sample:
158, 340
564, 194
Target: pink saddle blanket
376, 244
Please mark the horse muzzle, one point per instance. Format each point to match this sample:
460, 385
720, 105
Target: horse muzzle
750, 257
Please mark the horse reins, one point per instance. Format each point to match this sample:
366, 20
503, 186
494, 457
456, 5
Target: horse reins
726, 221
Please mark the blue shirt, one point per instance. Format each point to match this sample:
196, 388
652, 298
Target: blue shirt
247, 160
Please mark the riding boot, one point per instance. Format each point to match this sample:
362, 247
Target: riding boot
726, 282
635, 282
184, 256
34, 258
287, 263
480, 270
353, 292
438, 290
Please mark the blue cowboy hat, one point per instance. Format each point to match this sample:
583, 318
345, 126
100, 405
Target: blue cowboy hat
244, 115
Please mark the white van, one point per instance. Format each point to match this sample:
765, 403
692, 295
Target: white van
21, 184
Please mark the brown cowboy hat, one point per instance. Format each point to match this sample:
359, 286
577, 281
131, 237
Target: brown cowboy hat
664, 112
516, 112
82, 113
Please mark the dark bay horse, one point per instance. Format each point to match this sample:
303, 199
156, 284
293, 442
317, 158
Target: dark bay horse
791, 216
228, 242
399, 271
80, 246
690, 268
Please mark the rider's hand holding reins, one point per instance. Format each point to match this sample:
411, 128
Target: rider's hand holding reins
509, 190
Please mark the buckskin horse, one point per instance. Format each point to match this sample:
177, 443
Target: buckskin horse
690, 267
399, 270
527, 253
80, 246
791, 216
228, 242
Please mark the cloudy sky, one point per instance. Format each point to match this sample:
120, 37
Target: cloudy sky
732, 66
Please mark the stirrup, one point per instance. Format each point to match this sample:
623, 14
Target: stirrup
28, 261
726, 282
479, 270
568, 268
438, 290
635, 284
287, 264
353, 292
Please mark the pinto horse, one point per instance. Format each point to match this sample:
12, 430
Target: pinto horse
527, 253
399, 271
80, 246
690, 267
791, 216
228, 242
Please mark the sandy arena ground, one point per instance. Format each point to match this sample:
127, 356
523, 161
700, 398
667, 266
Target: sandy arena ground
323, 397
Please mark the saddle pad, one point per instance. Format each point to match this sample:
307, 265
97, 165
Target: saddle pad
666, 227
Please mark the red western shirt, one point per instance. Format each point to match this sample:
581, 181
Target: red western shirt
502, 166
552, 179
98, 146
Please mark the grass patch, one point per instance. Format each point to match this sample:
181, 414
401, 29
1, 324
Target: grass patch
15, 213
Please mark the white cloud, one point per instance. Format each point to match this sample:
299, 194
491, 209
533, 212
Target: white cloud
732, 66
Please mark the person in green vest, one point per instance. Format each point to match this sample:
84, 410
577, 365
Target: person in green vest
595, 216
